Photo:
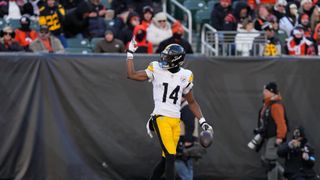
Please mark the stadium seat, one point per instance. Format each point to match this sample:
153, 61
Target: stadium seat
234, 4
211, 4
203, 16
94, 41
14, 23
106, 3
3, 23
109, 23
78, 42
82, 50
194, 6
34, 25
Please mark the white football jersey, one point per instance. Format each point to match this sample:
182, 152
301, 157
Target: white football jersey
168, 89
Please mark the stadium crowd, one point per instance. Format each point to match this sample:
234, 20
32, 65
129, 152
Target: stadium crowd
291, 27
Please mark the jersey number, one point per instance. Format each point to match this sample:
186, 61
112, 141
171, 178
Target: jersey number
173, 95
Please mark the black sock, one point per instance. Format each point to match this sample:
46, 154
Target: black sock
170, 173
158, 170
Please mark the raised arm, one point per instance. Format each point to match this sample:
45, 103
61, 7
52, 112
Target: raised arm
131, 72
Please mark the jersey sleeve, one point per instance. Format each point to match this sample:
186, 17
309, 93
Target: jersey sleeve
150, 71
189, 85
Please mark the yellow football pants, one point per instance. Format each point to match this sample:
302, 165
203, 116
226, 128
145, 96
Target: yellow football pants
168, 132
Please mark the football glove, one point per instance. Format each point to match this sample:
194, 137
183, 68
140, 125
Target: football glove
204, 125
149, 127
132, 48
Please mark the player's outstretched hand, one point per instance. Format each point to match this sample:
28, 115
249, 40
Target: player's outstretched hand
132, 48
204, 125
149, 127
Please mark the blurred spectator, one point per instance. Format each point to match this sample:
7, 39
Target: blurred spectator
221, 15
96, 24
109, 44
299, 157
137, 5
70, 5
272, 47
31, 8
315, 17
119, 22
140, 32
159, 29
254, 3
119, 6
279, 34
279, 9
262, 15
46, 42
132, 21
7, 41
176, 38
306, 7
52, 15
147, 16
289, 21
316, 38
76, 21
244, 38
241, 12
305, 24
25, 35
298, 45
11, 9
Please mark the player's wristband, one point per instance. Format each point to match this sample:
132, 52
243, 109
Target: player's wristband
129, 54
201, 121
130, 51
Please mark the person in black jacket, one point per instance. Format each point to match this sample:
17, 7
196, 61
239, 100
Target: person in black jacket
279, 9
221, 15
241, 12
132, 21
299, 157
76, 21
178, 32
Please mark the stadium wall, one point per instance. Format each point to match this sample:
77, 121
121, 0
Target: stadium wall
79, 117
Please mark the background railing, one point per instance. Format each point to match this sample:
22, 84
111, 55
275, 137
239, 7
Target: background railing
231, 43
176, 5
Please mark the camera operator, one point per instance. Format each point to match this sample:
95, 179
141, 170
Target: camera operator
273, 127
299, 157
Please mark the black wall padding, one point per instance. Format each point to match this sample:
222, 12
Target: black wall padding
74, 117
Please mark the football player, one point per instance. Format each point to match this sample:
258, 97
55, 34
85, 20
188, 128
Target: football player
170, 81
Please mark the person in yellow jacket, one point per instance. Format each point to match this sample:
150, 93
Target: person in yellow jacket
52, 15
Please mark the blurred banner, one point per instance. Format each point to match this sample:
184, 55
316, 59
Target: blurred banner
74, 117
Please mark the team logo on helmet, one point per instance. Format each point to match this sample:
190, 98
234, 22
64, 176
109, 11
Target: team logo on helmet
172, 56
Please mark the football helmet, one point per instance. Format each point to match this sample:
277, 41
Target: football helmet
172, 56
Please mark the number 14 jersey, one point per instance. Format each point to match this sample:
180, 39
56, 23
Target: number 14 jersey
168, 89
